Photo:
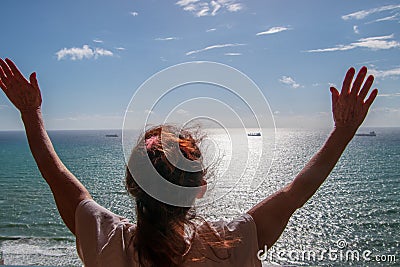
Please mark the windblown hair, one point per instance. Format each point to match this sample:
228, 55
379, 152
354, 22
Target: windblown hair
162, 229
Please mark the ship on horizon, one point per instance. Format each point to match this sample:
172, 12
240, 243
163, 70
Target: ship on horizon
372, 133
254, 134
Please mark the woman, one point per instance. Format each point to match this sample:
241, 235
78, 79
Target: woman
167, 235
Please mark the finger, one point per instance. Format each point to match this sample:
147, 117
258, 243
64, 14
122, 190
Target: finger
359, 80
6, 69
367, 85
2, 80
34, 81
3, 86
14, 69
347, 81
335, 95
371, 98
2, 74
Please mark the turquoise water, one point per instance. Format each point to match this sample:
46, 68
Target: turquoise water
357, 205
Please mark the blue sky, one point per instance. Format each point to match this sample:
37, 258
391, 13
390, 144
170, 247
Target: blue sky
91, 56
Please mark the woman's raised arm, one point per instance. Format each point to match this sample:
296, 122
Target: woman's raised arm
349, 111
26, 97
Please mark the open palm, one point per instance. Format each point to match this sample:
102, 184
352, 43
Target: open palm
350, 107
24, 94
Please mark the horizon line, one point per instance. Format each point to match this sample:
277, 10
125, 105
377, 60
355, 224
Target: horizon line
137, 129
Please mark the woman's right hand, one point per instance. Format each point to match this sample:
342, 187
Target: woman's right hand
350, 107
24, 94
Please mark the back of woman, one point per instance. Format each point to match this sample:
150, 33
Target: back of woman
111, 244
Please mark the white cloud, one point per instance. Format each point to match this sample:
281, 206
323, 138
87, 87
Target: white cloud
337, 48
209, 8
134, 13
394, 17
182, 112
203, 10
212, 47
385, 73
234, 7
166, 39
102, 52
387, 18
376, 43
386, 110
215, 7
390, 95
373, 43
233, 54
289, 81
98, 41
273, 30
356, 30
190, 8
211, 30
186, 2
120, 48
364, 13
77, 53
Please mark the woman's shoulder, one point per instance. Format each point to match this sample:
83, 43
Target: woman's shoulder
91, 214
241, 223
101, 234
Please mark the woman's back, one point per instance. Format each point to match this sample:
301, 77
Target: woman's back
106, 239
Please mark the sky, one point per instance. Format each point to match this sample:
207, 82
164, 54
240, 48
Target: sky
92, 56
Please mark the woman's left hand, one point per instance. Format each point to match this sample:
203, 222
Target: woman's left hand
24, 94
350, 107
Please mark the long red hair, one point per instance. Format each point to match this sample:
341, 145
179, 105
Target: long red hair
161, 234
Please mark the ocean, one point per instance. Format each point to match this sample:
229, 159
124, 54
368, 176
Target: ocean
354, 218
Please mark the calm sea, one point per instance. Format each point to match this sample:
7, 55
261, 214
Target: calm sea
354, 219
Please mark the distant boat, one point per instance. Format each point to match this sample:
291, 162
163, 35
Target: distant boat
254, 134
111, 135
367, 134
